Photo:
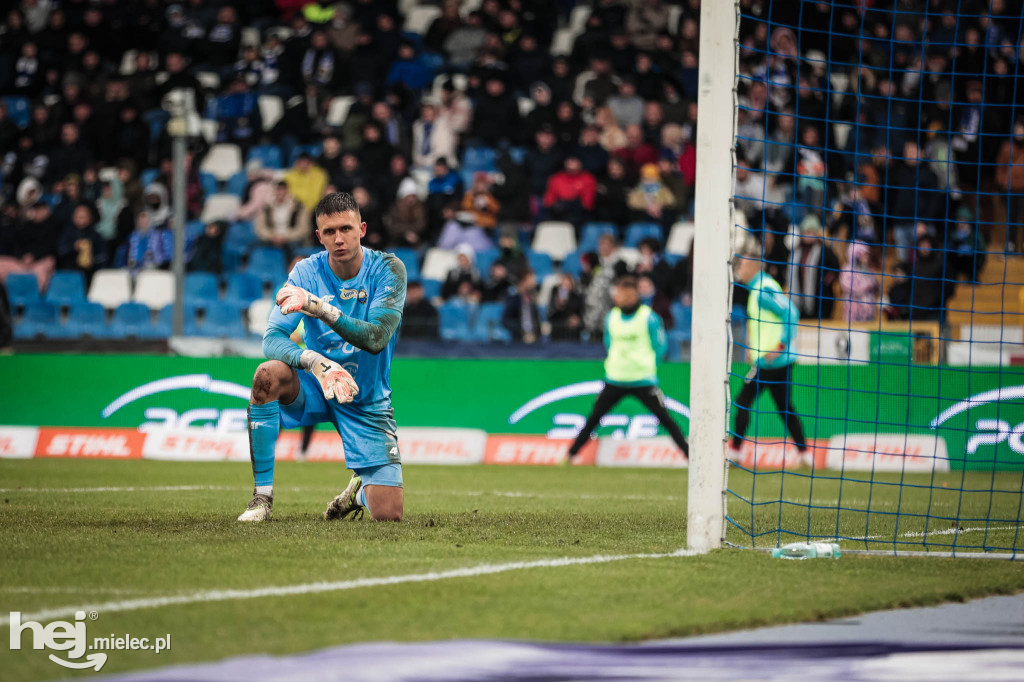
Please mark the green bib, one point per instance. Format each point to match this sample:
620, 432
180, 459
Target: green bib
631, 355
764, 328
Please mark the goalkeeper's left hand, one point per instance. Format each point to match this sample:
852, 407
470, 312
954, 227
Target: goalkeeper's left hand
335, 381
296, 299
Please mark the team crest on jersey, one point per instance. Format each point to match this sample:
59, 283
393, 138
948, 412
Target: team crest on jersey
359, 294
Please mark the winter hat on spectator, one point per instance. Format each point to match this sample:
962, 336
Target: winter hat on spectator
811, 225
408, 187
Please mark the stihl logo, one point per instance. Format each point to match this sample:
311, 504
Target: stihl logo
88, 445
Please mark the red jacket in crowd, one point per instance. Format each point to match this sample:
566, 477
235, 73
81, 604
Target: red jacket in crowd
564, 186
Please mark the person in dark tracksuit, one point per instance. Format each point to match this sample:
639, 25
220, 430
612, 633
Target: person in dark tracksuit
635, 338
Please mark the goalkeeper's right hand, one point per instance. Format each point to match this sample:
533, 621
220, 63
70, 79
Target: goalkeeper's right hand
335, 381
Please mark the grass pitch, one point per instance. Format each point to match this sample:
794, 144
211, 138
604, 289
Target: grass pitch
86, 533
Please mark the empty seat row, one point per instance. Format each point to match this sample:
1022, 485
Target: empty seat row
558, 239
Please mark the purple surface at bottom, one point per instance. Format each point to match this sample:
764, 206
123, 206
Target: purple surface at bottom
504, 661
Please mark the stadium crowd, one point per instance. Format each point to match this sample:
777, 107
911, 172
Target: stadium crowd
464, 128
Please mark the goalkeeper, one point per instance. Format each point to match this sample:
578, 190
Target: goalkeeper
771, 331
351, 301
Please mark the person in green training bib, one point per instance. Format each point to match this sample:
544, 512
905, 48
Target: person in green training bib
771, 331
635, 338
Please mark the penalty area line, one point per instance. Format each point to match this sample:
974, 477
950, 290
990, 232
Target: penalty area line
335, 586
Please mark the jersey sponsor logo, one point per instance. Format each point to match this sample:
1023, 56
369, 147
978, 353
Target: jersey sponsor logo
349, 294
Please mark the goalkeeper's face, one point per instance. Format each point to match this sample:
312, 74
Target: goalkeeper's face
340, 234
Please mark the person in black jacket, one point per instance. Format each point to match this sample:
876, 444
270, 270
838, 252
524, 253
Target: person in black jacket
496, 117
420, 319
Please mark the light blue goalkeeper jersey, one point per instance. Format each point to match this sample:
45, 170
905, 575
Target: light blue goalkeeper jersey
380, 283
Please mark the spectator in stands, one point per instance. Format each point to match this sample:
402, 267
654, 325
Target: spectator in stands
532, 61
406, 222
860, 284
394, 130
480, 202
409, 69
306, 181
610, 200
330, 157
650, 199
463, 42
570, 194
636, 152
566, 125
967, 248
259, 191
432, 138
923, 289
499, 281
463, 281
193, 189
350, 175
369, 211
109, 206
565, 310
913, 195
496, 117
420, 318
131, 139
521, 317
72, 156
542, 161
32, 245
652, 264
375, 153
646, 20
626, 106
389, 184
598, 83
156, 205
319, 69
283, 221
543, 111
589, 151
208, 254
679, 183
813, 271
460, 227
178, 77
597, 300
149, 246
1010, 180
811, 170
455, 110
223, 40
443, 26
79, 247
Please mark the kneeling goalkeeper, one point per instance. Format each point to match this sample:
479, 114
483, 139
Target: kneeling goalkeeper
635, 338
351, 300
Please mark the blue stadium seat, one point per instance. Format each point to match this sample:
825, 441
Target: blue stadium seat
267, 263
87, 319
592, 233
484, 260
222, 320
454, 321
22, 288
66, 287
18, 110
149, 176
411, 259
313, 150
165, 322
131, 320
157, 120
239, 239
243, 289
541, 265
572, 264
200, 288
637, 232
682, 319
479, 159
237, 185
209, 183
267, 154
488, 325
431, 288
193, 230
40, 320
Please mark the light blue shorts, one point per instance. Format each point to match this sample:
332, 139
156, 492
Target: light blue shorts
385, 474
370, 436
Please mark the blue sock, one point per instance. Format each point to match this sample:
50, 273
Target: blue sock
264, 425
361, 498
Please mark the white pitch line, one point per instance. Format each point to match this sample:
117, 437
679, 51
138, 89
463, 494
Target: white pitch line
123, 489
313, 588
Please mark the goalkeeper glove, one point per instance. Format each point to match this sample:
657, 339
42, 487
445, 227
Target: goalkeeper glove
336, 383
296, 299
